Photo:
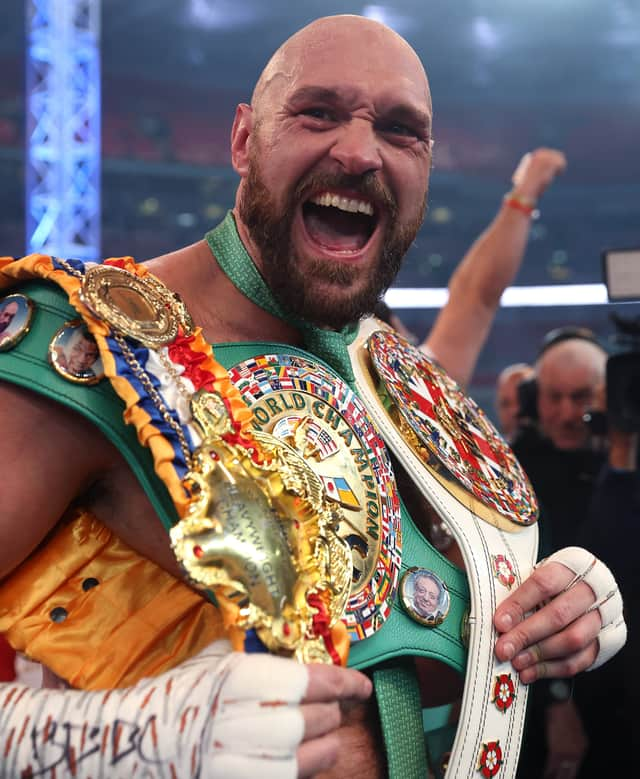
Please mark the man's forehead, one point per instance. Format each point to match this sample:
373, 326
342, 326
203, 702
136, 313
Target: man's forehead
348, 50
357, 66
567, 379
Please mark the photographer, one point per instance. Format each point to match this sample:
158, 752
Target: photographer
587, 483
555, 445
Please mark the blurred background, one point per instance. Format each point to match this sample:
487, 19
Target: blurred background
506, 77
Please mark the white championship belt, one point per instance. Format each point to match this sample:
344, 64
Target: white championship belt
471, 478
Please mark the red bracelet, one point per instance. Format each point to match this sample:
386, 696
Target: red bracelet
527, 207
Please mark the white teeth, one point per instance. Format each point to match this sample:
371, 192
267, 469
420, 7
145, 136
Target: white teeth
343, 203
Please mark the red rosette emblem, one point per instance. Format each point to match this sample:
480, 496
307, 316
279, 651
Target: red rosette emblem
490, 759
503, 571
504, 692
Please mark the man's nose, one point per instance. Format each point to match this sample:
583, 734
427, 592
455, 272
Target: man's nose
357, 148
570, 411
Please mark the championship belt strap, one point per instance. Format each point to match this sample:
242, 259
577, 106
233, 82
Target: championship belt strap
27, 366
447, 443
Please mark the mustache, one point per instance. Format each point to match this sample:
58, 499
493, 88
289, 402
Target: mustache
368, 185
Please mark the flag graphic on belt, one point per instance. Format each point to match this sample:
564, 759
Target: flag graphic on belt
339, 490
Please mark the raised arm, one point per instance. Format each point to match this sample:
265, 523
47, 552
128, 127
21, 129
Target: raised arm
489, 266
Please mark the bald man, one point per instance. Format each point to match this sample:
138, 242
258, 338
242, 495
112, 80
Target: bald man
570, 377
334, 155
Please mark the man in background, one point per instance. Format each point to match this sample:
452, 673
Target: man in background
589, 493
558, 455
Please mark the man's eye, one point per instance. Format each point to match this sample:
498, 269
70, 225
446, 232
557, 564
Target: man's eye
318, 113
398, 128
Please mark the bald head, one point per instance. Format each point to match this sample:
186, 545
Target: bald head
570, 376
343, 40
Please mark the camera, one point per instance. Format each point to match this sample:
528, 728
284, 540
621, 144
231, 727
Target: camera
623, 376
622, 278
527, 401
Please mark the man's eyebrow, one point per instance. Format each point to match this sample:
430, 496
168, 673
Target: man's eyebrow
398, 111
323, 94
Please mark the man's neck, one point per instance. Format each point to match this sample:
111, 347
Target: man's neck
214, 302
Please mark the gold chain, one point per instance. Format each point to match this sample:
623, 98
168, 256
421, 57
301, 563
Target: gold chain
171, 370
69, 268
155, 396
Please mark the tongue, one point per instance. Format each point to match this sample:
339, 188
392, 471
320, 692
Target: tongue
336, 229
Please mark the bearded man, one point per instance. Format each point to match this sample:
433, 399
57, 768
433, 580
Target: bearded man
333, 154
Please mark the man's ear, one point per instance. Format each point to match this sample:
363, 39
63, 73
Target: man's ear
240, 134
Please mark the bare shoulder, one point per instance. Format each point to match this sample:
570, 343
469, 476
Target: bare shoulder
222, 311
49, 456
193, 274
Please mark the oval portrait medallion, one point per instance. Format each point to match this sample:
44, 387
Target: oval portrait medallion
425, 596
325, 421
74, 354
16, 313
450, 432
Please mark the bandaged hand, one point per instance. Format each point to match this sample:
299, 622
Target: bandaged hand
221, 714
565, 618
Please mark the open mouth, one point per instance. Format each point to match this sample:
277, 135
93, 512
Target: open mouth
339, 223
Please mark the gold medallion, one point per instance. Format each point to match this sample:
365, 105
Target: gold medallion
141, 308
209, 411
318, 416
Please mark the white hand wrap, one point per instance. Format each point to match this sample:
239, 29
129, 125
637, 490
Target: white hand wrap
221, 714
608, 601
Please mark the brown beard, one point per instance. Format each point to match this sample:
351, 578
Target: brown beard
292, 285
